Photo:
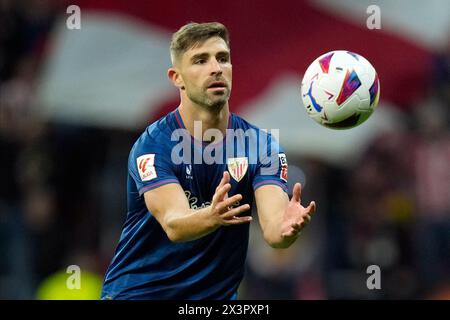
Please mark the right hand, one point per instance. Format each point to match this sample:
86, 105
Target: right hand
221, 205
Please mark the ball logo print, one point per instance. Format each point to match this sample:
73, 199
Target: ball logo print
340, 89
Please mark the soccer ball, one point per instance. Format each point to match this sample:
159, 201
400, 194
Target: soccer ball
340, 89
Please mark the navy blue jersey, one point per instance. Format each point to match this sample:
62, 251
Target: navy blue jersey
146, 264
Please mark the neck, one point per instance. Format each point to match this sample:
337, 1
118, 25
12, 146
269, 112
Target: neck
210, 119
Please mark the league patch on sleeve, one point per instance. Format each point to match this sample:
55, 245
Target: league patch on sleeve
284, 167
146, 167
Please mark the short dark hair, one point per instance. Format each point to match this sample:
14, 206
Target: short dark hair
193, 33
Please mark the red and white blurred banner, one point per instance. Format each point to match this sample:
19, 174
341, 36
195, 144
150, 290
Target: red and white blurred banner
112, 72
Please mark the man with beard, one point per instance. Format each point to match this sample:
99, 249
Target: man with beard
192, 179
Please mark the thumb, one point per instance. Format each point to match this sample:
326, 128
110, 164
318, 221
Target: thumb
296, 192
225, 179
226, 176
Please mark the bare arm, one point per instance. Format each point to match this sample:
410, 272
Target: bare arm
170, 207
281, 219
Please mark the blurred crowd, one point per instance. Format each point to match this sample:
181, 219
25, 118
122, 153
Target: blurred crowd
63, 197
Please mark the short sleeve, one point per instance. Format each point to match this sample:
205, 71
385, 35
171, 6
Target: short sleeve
150, 166
272, 166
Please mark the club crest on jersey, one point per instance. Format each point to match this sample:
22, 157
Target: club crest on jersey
237, 167
146, 167
284, 167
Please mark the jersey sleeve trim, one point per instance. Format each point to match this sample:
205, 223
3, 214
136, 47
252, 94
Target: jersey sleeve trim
156, 185
270, 182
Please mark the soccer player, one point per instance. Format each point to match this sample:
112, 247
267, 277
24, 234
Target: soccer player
187, 226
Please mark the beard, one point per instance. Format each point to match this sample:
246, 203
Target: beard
209, 100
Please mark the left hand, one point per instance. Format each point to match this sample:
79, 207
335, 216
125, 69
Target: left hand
296, 217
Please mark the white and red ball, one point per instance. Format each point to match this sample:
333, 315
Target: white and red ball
340, 89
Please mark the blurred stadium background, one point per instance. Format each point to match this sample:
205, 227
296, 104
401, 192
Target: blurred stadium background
72, 102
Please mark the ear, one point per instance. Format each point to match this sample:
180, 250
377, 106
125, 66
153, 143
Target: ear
175, 77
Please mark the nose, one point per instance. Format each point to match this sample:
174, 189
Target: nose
216, 69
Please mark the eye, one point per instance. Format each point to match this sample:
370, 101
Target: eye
199, 61
223, 59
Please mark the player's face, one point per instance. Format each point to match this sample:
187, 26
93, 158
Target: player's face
206, 72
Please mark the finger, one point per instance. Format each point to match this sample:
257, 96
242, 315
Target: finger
228, 202
226, 176
221, 192
290, 233
224, 180
311, 208
238, 220
307, 218
296, 192
233, 213
297, 226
